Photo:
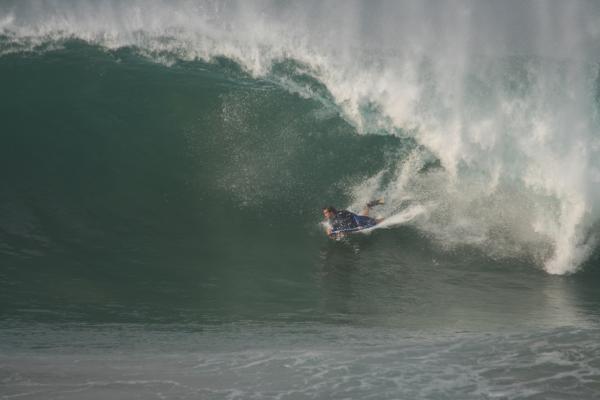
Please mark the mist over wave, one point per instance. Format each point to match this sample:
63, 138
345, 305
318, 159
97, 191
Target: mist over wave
499, 99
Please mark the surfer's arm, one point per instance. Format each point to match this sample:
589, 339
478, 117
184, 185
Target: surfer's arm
332, 234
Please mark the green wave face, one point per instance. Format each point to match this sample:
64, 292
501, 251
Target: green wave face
126, 180
165, 162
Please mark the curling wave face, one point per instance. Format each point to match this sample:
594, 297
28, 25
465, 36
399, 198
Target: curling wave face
486, 119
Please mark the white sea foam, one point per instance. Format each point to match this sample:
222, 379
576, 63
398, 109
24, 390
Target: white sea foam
502, 93
403, 217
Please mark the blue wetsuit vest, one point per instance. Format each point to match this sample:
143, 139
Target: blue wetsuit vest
346, 221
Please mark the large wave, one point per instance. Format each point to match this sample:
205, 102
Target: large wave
503, 95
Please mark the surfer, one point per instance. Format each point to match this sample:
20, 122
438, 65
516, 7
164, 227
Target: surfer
343, 221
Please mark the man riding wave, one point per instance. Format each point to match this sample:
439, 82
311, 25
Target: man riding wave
344, 221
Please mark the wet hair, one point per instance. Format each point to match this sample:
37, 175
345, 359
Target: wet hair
330, 209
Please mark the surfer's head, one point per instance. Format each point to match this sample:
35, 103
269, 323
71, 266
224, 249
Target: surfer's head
329, 212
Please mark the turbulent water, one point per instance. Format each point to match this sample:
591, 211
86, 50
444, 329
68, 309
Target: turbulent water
164, 165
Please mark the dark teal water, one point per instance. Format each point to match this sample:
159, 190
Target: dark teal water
159, 236
138, 186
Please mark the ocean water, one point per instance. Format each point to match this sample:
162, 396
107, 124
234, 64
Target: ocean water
163, 166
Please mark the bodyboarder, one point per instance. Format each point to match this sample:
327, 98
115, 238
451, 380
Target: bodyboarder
341, 222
